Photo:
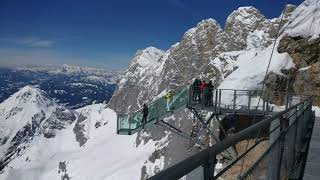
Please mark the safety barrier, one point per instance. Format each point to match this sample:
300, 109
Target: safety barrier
133, 122
286, 146
218, 101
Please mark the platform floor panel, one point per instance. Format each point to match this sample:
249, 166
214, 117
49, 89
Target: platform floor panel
312, 169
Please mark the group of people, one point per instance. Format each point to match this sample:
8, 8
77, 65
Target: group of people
202, 92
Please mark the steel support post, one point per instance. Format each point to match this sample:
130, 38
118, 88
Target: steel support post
234, 101
219, 101
249, 102
208, 167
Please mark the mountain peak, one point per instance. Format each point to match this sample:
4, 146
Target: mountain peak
245, 8
148, 56
245, 15
25, 97
28, 92
30, 89
208, 21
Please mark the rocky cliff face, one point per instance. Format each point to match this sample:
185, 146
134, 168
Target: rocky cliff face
206, 52
153, 71
304, 78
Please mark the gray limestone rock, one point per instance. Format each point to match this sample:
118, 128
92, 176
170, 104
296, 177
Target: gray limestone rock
152, 72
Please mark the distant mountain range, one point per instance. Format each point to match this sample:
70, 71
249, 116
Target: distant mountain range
71, 86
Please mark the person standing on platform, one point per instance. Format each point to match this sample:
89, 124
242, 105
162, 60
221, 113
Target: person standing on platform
195, 89
204, 91
145, 112
168, 97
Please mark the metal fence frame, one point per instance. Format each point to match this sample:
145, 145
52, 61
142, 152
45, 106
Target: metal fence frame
207, 157
240, 101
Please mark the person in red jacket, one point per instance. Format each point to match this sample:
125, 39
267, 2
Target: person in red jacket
203, 85
204, 91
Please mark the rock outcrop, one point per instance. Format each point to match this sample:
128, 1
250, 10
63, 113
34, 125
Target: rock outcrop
305, 77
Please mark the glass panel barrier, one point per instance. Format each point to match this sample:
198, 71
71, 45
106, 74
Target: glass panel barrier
180, 99
157, 110
153, 112
136, 120
123, 122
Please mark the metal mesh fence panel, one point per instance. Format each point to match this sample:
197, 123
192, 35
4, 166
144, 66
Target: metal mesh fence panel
264, 168
288, 154
279, 160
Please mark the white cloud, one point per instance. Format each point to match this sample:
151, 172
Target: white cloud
30, 42
42, 43
17, 57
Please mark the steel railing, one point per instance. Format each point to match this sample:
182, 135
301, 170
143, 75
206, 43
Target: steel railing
241, 101
286, 139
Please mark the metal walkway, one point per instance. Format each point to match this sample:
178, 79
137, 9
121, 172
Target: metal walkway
281, 155
280, 141
312, 169
219, 101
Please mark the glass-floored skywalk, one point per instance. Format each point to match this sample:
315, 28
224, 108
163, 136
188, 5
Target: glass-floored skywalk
218, 101
131, 123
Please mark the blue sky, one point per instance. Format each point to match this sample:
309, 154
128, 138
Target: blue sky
104, 33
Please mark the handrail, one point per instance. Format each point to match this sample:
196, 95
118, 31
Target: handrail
186, 166
237, 90
226, 89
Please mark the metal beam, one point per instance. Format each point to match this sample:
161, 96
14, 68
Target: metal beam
179, 132
204, 124
210, 118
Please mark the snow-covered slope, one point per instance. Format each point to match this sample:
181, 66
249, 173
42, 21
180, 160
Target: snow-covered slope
252, 67
26, 115
85, 148
305, 20
252, 64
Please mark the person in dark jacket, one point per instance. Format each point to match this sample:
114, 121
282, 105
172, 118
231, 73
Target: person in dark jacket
195, 89
145, 112
210, 93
